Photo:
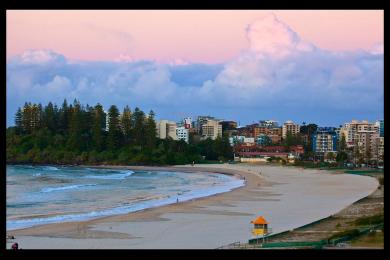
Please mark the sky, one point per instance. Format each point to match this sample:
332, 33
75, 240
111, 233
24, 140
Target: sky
313, 66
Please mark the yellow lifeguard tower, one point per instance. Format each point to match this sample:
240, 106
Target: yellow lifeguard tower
260, 227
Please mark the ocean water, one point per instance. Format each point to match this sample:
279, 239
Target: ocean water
38, 195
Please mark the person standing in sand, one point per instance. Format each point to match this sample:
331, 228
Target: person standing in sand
15, 246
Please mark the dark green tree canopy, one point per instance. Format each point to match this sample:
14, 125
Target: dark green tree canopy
75, 133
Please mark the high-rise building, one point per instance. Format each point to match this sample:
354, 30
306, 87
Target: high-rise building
165, 128
324, 140
202, 120
182, 133
380, 148
211, 129
366, 144
228, 125
381, 126
187, 122
351, 129
290, 127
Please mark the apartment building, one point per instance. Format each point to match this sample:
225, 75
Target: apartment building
211, 129
290, 127
165, 128
182, 133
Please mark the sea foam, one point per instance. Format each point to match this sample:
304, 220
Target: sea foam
51, 189
119, 176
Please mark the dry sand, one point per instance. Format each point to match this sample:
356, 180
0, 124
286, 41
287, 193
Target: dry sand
288, 197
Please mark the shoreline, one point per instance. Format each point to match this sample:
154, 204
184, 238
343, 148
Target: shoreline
131, 230
211, 189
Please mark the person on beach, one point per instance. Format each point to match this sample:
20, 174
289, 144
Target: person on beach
177, 200
15, 246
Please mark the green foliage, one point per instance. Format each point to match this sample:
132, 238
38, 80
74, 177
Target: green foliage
341, 157
371, 220
308, 130
126, 125
292, 140
346, 233
76, 134
114, 137
18, 121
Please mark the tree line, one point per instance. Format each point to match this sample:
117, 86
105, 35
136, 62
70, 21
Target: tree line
78, 134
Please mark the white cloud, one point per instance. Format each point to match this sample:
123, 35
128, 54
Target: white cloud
125, 58
178, 62
270, 36
44, 56
377, 48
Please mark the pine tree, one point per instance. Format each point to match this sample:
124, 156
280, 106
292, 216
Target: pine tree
342, 143
74, 142
26, 118
35, 117
19, 121
56, 117
39, 123
341, 156
126, 125
63, 117
114, 129
48, 120
86, 126
150, 131
138, 120
99, 119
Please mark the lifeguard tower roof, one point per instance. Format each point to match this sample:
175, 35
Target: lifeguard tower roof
259, 220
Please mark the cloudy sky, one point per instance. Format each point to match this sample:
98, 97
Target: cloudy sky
314, 66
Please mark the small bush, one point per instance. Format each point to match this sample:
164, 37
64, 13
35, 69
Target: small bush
381, 180
372, 220
347, 233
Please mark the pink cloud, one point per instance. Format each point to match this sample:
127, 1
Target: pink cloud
198, 36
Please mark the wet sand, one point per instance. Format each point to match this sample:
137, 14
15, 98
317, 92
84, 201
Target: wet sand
287, 197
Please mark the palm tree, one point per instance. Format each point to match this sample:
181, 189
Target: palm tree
330, 156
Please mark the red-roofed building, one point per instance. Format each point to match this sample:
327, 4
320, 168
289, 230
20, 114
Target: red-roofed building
263, 154
297, 149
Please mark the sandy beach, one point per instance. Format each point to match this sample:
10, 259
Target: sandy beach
287, 197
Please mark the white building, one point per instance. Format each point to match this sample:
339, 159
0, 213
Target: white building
182, 133
290, 127
240, 139
268, 123
165, 128
107, 120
